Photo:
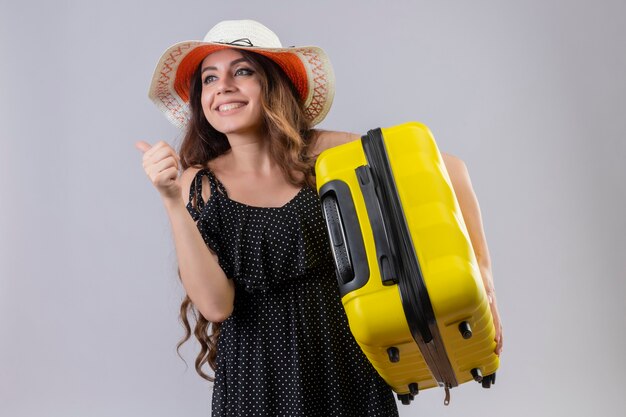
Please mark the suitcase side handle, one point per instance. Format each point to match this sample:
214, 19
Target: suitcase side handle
345, 236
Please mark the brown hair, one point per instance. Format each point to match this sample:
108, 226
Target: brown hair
290, 136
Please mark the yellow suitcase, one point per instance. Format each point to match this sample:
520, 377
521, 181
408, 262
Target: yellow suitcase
407, 273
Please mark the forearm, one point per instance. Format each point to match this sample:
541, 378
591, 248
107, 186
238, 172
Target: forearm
487, 278
470, 209
202, 277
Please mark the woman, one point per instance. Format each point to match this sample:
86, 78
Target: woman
250, 239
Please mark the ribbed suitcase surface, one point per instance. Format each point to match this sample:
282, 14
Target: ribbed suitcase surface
406, 269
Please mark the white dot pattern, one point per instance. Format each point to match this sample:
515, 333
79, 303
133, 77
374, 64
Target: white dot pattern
286, 350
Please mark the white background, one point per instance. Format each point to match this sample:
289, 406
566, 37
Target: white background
530, 94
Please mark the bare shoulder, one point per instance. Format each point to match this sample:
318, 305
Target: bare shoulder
326, 139
186, 177
458, 173
454, 165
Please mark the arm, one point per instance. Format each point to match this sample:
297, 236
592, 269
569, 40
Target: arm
207, 286
470, 210
325, 139
204, 280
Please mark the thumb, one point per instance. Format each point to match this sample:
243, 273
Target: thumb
142, 146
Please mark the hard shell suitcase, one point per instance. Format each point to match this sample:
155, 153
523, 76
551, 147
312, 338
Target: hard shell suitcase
407, 273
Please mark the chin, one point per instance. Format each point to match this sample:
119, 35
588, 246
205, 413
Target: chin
238, 130
234, 127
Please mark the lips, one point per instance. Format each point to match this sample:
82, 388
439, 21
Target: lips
230, 106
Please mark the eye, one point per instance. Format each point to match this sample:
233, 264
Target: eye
244, 71
208, 79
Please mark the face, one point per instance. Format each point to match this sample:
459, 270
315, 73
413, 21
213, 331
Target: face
231, 93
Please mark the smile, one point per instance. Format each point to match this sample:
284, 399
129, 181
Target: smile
230, 106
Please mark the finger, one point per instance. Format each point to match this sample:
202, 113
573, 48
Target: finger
142, 146
161, 150
163, 154
167, 177
155, 148
164, 165
499, 344
161, 145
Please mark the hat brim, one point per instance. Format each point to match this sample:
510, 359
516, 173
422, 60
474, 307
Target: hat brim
307, 67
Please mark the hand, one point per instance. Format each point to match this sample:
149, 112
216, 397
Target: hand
161, 164
491, 296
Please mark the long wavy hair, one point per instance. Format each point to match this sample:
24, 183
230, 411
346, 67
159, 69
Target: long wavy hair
290, 135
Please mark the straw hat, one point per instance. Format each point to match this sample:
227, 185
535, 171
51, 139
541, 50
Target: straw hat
308, 67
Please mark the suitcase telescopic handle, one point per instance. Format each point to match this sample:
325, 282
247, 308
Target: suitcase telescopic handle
383, 250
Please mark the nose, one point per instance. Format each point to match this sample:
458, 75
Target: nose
225, 84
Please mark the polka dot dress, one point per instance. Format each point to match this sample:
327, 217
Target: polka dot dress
286, 350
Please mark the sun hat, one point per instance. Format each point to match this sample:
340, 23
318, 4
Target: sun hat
308, 67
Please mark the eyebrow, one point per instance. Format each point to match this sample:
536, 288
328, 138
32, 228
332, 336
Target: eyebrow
235, 62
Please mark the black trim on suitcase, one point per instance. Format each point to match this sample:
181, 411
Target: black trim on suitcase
386, 264
413, 293
345, 236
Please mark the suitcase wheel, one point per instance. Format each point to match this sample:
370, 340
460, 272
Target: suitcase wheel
488, 380
477, 375
405, 398
413, 389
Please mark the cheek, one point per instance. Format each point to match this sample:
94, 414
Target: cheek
205, 100
256, 93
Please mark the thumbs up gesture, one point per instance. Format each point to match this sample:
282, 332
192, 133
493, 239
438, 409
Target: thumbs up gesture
162, 165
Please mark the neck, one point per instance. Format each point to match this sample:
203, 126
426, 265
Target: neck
249, 154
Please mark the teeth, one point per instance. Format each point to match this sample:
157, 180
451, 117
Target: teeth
230, 106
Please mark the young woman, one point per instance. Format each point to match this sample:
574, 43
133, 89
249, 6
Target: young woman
250, 239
